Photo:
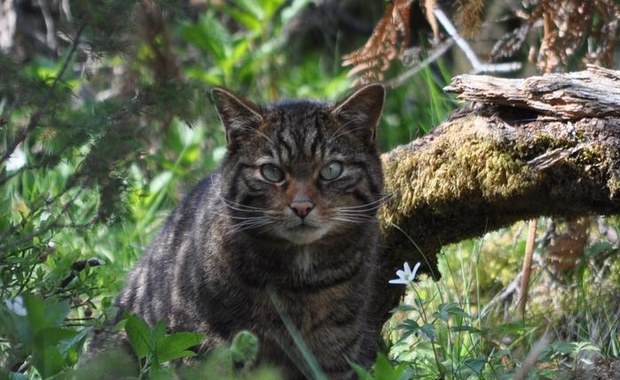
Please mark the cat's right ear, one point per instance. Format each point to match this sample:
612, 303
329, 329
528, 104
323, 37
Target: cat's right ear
360, 111
238, 114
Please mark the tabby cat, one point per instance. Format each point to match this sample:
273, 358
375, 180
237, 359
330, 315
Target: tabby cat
290, 220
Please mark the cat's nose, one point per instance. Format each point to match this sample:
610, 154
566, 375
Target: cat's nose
301, 207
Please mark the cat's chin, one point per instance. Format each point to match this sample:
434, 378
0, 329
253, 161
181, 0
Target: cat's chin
303, 234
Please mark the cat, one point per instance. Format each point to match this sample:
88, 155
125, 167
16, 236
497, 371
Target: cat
286, 228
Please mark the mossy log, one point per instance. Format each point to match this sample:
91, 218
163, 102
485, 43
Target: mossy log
543, 146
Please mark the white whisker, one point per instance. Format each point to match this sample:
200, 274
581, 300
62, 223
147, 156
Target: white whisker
375, 204
346, 131
240, 207
261, 134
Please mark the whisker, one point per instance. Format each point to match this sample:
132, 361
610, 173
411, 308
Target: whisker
239, 206
375, 204
360, 218
338, 132
346, 131
261, 134
250, 224
347, 220
234, 217
364, 208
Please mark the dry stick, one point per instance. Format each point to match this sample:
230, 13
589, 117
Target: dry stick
527, 265
477, 65
440, 49
436, 53
533, 356
531, 232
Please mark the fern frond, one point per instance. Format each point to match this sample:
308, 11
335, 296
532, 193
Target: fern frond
469, 16
387, 42
511, 42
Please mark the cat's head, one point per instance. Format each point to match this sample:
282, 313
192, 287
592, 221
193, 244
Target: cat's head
301, 171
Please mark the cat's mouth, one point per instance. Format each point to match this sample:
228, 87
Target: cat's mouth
303, 233
303, 228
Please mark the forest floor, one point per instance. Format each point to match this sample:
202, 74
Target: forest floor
602, 370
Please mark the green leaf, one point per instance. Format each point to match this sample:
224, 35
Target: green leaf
139, 335
361, 373
44, 314
53, 336
451, 309
158, 332
48, 362
466, 328
247, 20
563, 347
210, 36
385, 370
68, 344
244, 347
476, 365
428, 330
177, 345
252, 7
599, 248
161, 181
409, 324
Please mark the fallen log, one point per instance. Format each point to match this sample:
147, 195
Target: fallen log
521, 148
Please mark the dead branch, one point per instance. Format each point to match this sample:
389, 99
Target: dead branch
525, 148
591, 93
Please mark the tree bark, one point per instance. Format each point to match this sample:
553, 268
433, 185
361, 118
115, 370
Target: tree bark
545, 145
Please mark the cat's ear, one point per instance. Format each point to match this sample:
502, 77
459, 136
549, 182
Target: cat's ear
238, 114
360, 111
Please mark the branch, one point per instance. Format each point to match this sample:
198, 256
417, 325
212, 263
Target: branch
478, 67
590, 93
33, 123
497, 162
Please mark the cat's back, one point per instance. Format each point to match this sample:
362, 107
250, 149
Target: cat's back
149, 290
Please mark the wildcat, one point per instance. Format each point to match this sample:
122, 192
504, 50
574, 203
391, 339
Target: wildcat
289, 220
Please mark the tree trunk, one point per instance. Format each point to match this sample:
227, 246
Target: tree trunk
522, 148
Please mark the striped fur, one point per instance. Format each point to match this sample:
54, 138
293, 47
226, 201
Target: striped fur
240, 241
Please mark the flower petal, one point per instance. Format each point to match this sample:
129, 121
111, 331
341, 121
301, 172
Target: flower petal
415, 270
407, 268
398, 281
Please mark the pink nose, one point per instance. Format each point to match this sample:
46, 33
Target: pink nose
301, 208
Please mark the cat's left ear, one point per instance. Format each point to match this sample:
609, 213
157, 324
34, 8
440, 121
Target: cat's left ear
360, 111
238, 114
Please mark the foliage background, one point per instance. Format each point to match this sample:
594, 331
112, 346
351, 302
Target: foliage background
105, 122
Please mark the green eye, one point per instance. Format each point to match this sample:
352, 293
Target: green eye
272, 173
331, 170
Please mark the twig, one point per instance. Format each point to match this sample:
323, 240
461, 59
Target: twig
527, 265
532, 356
435, 54
5, 247
508, 291
478, 67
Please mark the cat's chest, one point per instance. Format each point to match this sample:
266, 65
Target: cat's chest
304, 260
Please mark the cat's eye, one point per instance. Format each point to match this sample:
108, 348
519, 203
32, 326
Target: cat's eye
272, 173
332, 170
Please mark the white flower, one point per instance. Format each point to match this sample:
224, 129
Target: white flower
406, 276
16, 160
16, 305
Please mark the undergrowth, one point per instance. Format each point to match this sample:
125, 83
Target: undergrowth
95, 151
